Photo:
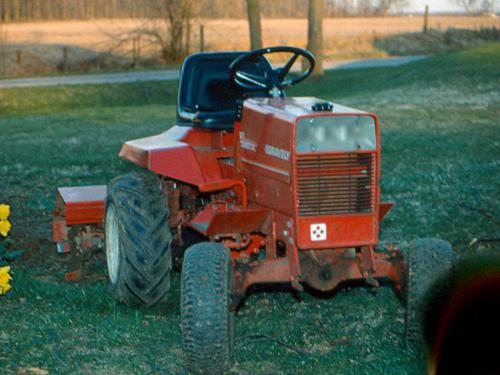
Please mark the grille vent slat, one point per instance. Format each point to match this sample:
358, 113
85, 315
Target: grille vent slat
335, 184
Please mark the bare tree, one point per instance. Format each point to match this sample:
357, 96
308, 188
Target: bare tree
179, 17
167, 27
253, 11
315, 34
468, 5
18, 10
384, 7
364, 7
488, 6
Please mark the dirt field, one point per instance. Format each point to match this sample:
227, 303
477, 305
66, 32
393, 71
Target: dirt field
344, 37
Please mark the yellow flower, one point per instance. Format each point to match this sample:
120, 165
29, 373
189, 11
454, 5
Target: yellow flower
4, 227
4, 279
4, 211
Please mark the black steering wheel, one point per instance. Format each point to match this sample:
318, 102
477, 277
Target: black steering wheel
272, 80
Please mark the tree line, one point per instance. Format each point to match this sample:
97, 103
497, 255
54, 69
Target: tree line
34, 10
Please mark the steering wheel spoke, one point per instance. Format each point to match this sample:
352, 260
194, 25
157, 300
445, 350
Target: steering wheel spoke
286, 68
251, 78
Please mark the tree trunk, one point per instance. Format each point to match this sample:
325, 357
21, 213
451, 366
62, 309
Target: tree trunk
253, 10
6, 10
188, 36
315, 34
426, 19
16, 11
37, 10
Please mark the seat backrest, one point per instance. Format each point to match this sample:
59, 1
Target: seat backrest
207, 97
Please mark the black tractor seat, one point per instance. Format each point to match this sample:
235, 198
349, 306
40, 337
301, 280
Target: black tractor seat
207, 96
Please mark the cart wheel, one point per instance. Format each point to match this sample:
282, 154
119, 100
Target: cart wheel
427, 260
207, 320
137, 240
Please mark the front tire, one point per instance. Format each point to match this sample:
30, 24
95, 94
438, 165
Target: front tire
427, 260
207, 319
137, 235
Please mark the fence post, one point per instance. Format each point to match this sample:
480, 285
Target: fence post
19, 57
3, 64
65, 59
134, 52
426, 18
138, 50
202, 38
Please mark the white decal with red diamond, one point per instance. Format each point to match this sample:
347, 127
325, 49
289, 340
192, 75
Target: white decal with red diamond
318, 232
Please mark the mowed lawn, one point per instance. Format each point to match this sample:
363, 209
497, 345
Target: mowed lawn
440, 164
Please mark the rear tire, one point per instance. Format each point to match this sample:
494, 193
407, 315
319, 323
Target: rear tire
427, 260
207, 322
138, 254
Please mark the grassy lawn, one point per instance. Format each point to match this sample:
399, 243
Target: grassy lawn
441, 165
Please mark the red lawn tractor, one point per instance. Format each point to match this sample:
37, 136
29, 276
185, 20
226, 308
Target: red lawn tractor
279, 190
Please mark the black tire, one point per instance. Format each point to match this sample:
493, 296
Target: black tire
141, 275
206, 316
428, 259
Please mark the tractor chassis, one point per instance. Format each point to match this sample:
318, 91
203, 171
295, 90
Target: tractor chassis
78, 229
323, 270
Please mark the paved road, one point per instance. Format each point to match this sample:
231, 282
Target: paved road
373, 63
172, 74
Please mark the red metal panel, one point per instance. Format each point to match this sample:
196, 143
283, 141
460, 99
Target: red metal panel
135, 155
340, 231
182, 153
266, 271
209, 163
217, 220
265, 143
226, 166
179, 163
60, 230
242, 221
82, 194
384, 208
83, 204
85, 213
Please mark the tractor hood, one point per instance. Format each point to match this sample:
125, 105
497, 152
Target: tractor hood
292, 109
317, 164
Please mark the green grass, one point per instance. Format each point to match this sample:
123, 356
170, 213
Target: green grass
441, 161
56, 99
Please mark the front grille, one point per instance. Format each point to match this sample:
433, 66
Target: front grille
336, 184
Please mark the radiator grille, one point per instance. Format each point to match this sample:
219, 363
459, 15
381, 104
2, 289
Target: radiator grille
336, 184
